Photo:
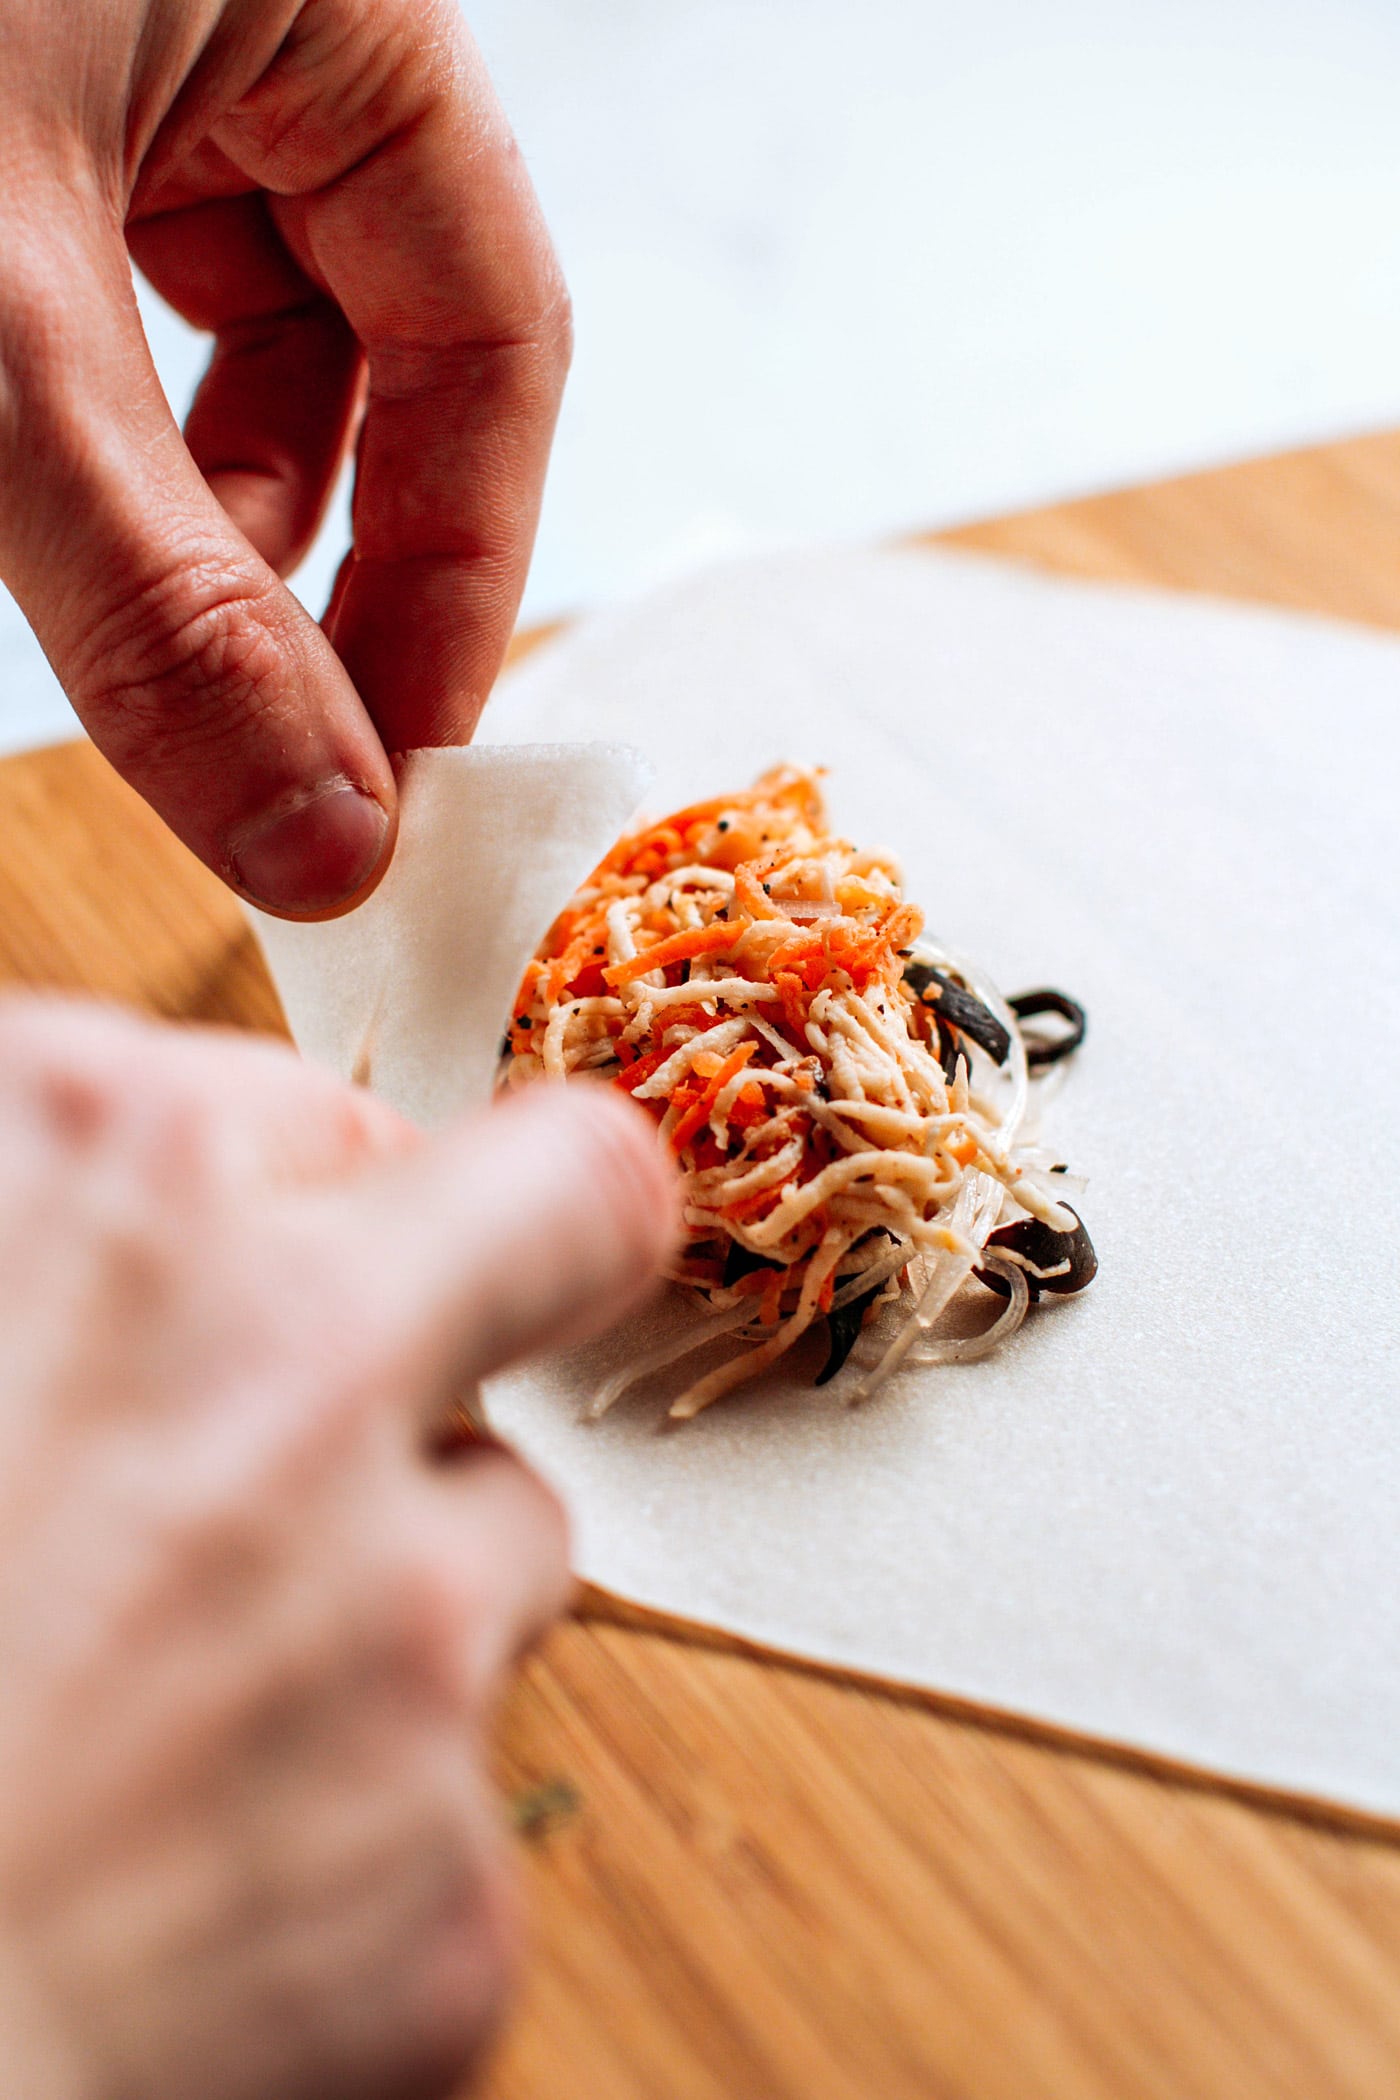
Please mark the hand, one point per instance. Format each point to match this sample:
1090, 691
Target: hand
249, 1632
330, 186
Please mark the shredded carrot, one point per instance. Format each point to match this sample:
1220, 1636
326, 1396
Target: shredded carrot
790, 991
641, 1070
805, 956
699, 1111
751, 895
770, 1304
679, 947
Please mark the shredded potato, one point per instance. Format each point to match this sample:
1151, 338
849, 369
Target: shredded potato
762, 988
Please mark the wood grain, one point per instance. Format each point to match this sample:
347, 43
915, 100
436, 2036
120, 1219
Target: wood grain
779, 1886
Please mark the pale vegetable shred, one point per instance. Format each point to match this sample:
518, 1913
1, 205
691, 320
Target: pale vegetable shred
845, 1099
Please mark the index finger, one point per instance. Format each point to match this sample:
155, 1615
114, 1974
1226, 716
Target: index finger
398, 185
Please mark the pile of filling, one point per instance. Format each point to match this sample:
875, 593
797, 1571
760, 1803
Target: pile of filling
847, 1100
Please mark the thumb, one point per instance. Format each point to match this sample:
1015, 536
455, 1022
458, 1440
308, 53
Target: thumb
535, 1223
192, 667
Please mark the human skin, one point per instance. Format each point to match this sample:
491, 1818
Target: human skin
251, 1631
331, 187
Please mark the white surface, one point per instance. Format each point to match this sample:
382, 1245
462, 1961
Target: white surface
410, 993
1167, 1513
844, 265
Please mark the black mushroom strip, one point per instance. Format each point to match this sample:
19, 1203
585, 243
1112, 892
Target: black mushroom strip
1066, 1259
843, 1325
954, 1007
1043, 1049
742, 1261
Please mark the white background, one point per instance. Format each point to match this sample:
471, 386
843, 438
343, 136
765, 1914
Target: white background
846, 265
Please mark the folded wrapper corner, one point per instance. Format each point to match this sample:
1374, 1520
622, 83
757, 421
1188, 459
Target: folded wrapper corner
409, 993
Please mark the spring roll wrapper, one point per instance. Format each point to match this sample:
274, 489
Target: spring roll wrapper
1165, 1516
410, 993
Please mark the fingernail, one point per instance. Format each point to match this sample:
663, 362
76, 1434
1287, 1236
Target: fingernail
311, 853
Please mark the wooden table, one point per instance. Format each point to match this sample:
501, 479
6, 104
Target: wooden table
758, 1882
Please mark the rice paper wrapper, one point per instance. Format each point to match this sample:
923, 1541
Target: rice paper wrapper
1166, 1514
410, 993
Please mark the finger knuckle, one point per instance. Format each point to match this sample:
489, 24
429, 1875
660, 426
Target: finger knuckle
217, 1550
67, 1065
178, 669
425, 1607
116, 1136
80, 1109
339, 88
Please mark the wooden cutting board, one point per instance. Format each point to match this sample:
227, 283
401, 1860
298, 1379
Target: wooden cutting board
755, 1882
